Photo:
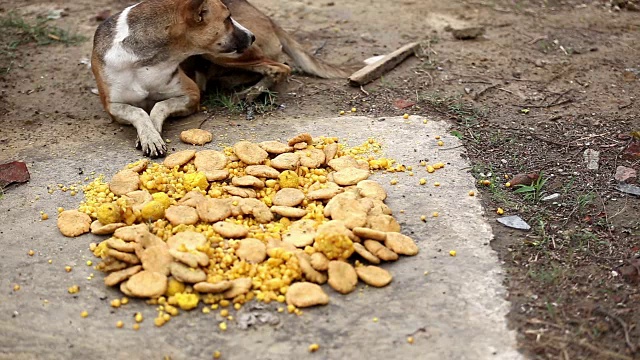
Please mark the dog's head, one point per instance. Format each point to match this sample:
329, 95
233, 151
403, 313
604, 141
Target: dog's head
209, 28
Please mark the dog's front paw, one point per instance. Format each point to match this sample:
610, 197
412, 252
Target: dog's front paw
152, 145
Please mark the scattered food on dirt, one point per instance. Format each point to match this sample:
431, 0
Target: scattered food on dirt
181, 239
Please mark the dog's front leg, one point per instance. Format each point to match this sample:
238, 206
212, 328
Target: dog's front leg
185, 103
150, 140
177, 106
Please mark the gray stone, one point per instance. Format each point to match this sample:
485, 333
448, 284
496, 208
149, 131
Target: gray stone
629, 189
515, 222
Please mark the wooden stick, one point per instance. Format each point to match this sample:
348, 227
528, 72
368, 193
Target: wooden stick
377, 69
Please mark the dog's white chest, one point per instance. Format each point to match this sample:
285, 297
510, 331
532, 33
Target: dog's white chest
129, 82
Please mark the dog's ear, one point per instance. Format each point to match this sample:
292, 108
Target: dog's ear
196, 9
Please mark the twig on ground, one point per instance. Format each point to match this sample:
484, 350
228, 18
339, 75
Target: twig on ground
623, 324
535, 40
544, 106
593, 348
477, 95
317, 51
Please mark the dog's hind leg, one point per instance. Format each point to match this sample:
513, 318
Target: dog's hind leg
254, 60
149, 138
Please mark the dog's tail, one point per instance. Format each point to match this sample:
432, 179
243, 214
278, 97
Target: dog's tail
305, 61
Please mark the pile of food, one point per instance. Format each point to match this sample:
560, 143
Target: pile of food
269, 221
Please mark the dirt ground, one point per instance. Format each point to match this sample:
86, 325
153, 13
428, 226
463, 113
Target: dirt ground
547, 81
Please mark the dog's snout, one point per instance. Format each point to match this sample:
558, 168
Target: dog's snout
244, 38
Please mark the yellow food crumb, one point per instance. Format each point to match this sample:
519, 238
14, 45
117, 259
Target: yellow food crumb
486, 182
423, 218
375, 319
138, 317
288, 179
435, 214
16, 287
224, 312
31, 252
353, 109
73, 289
393, 181
187, 301
206, 310
162, 198
223, 326
424, 121
314, 347
216, 354
430, 169
472, 193
67, 268
334, 245
89, 262
410, 339
507, 184
174, 286
124, 300
341, 112
84, 314
405, 116
44, 216
60, 209
115, 303
109, 213
237, 306
423, 181
440, 143
452, 253
436, 184
500, 211
136, 326
119, 324
153, 210
50, 261
195, 180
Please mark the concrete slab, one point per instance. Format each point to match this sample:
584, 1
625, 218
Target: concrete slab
457, 311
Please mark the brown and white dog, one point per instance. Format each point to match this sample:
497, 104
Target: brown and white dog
138, 53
